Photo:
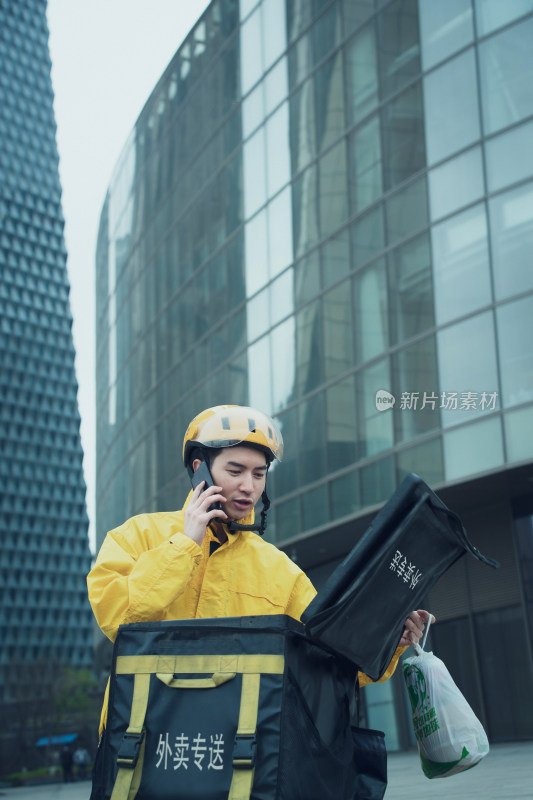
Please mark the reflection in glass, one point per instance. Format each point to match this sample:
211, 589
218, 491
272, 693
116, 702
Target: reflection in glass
461, 259
344, 495
277, 150
415, 382
315, 507
302, 127
237, 378
365, 165
404, 151
326, 32
398, 45
368, 236
511, 226
276, 86
245, 6
288, 522
451, 105
283, 346
473, 448
407, 210
377, 482
237, 331
253, 112
370, 311
236, 261
312, 438
425, 459
354, 14
519, 434
286, 474
509, 157
259, 375
257, 315
341, 435
120, 201
256, 253
493, 14
362, 76
281, 297
251, 51
335, 258
254, 177
338, 327
333, 194
299, 59
274, 31
305, 223
375, 427
467, 368
280, 232
329, 93
506, 69
306, 279
411, 299
444, 29
456, 183
515, 325
309, 358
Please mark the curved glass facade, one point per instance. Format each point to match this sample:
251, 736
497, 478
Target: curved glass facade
326, 210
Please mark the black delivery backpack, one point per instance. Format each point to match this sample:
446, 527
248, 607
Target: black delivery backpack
240, 708
265, 708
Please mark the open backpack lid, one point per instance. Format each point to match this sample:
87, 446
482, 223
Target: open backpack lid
361, 610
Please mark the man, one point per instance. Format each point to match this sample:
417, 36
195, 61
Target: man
207, 559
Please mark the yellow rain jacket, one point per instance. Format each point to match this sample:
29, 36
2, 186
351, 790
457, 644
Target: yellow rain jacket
148, 570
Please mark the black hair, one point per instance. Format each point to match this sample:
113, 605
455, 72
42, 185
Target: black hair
202, 453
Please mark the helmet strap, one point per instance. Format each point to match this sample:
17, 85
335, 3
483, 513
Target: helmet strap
233, 527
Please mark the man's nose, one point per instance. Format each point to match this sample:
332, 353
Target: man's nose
247, 484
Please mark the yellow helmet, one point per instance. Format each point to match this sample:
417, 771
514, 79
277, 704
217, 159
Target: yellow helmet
226, 426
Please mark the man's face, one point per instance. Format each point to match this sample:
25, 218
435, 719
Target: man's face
241, 472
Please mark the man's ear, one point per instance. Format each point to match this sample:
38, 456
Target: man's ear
195, 464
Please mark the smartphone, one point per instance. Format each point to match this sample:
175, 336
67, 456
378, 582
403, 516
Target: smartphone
203, 474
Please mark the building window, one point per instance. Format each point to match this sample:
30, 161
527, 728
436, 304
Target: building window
506, 68
445, 28
511, 226
451, 107
516, 356
461, 258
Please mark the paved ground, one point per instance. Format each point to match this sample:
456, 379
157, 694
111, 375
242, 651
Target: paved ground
505, 774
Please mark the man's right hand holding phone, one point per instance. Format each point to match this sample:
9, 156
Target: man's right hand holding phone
199, 513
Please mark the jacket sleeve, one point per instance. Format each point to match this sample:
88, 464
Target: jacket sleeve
303, 593
135, 576
389, 672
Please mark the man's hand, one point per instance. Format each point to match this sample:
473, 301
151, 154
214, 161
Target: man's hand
197, 516
414, 627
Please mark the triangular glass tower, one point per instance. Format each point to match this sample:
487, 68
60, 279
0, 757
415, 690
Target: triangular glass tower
44, 552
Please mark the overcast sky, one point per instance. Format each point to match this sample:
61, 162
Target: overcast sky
107, 56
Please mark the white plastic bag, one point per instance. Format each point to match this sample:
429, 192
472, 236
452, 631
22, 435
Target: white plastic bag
450, 737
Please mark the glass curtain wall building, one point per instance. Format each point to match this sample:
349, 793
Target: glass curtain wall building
46, 620
325, 210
